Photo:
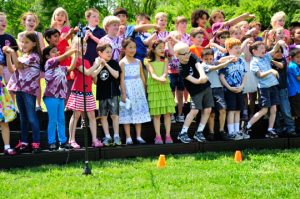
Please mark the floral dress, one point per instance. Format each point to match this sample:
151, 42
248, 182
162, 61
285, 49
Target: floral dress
7, 108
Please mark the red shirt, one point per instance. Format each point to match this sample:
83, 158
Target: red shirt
78, 79
205, 39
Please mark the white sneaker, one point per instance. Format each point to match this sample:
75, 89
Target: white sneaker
246, 136
238, 136
180, 118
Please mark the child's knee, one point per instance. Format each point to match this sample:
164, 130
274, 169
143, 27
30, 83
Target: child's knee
207, 111
222, 112
194, 112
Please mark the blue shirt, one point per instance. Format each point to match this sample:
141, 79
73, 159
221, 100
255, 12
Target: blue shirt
234, 73
293, 71
263, 64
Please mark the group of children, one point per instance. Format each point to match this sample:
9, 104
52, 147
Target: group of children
139, 75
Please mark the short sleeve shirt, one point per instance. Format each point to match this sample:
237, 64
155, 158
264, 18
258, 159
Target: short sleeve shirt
293, 71
6, 40
213, 76
116, 44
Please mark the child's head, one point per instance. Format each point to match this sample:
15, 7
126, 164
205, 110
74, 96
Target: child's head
257, 26
157, 49
111, 25
233, 46
182, 52
181, 24
104, 51
279, 34
277, 54
235, 32
52, 36
295, 55
92, 17
221, 36
174, 34
161, 20
30, 21
199, 18
278, 19
31, 43
128, 47
258, 49
48, 52
295, 34
142, 18
76, 44
244, 26
122, 14
216, 16
197, 36
207, 55
60, 17
3, 22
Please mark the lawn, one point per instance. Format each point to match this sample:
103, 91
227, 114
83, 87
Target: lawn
262, 174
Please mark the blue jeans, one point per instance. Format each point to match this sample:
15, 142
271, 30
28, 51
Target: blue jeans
26, 105
285, 111
56, 115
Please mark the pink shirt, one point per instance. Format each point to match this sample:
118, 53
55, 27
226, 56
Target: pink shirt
116, 44
56, 81
26, 79
162, 35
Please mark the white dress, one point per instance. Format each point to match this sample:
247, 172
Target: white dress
135, 92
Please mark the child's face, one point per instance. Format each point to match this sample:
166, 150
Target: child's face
202, 21
237, 34
106, 54
278, 54
27, 45
260, 51
160, 50
130, 49
280, 22
297, 36
279, 35
244, 28
235, 50
112, 29
257, 31
181, 26
54, 39
208, 59
297, 58
122, 30
183, 55
219, 18
60, 18
162, 22
53, 52
30, 23
123, 18
221, 39
93, 19
3, 23
142, 20
197, 40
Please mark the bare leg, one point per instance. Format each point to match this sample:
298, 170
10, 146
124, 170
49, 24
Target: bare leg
156, 123
272, 116
222, 118
105, 126
115, 122
190, 116
211, 122
5, 133
138, 130
167, 121
127, 130
73, 124
179, 96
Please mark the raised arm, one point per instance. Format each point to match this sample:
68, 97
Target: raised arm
238, 19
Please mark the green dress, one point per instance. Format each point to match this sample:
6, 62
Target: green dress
160, 97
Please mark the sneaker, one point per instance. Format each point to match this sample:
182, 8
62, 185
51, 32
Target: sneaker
117, 141
292, 134
168, 140
97, 144
140, 140
129, 141
238, 136
38, 108
199, 136
180, 118
173, 119
35, 146
271, 134
231, 136
158, 140
22, 148
107, 141
9, 151
184, 138
224, 136
246, 135
211, 137
74, 145
64, 147
52, 147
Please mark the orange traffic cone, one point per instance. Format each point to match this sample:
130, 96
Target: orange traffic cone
161, 161
238, 156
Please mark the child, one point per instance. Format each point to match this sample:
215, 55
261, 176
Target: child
160, 98
267, 84
133, 92
92, 34
30, 21
198, 20
255, 28
122, 14
233, 77
76, 99
181, 25
161, 20
7, 110
278, 21
197, 84
295, 37
235, 32
55, 94
279, 63
111, 26
217, 91
218, 45
244, 26
197, 38
108, 92
24, 82
293, 75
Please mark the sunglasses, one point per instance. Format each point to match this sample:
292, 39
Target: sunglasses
224, 37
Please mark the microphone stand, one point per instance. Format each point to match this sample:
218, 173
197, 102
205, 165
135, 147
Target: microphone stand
86, 169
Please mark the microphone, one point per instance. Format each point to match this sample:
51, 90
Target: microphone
80, 30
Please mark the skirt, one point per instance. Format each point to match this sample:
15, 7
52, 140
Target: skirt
75, 102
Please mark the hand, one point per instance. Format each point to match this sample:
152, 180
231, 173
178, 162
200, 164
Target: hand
7, 50
123, 98
157, 28
234, 89
88, 33
232, 59
102, 62
275, 73
281, 43
75, 30
163, 79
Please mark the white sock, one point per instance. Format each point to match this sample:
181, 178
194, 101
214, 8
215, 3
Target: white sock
116, 135
230, 128
248, 125
7, 146
128, 139
237, 127
200, 127
184, 130
25, 143
108, 136
270, 129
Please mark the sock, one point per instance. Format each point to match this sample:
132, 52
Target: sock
139, 138
236, 127
270, 129
200, 127
24, 143
128, 139
7, 146
116, 135
230, 128
108, 136
184, 130
248, 125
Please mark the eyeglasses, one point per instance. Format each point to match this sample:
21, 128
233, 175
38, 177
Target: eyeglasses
184, 54
224, 37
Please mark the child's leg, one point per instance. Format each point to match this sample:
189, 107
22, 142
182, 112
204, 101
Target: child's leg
185, 95
257, 116
23, 116
230, 122
52, 109
39, 94
156, 123
237, 121
5, 133
252, 99
105, 126
204, 117
115, 122
211, 122
167, 121
127, 130
138, 130
222, 118
189, 118
179, 96
73, 124
272, 117
93, 125
61, 122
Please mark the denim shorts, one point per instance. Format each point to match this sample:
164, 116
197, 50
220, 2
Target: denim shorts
109, 105
176, 81
268, 97
219, 99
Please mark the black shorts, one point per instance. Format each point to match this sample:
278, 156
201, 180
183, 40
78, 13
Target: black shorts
202, 100
268, 96
219, 99
176, 81
109, 105
234, 101
295, 104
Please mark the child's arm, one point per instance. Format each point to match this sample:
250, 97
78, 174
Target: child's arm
89, 34
70, 33
88, 71
66, 55
203, 77
238, 19
112, 71
220, 48
73, 63
145, 27
208, 35
245, 49
222, 65
148, 41
142, 74
278, 64
95, 79
153, 74
276, 47
266, 73
11, 59
122, 84
224, 82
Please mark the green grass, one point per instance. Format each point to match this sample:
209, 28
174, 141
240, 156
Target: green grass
262, 174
